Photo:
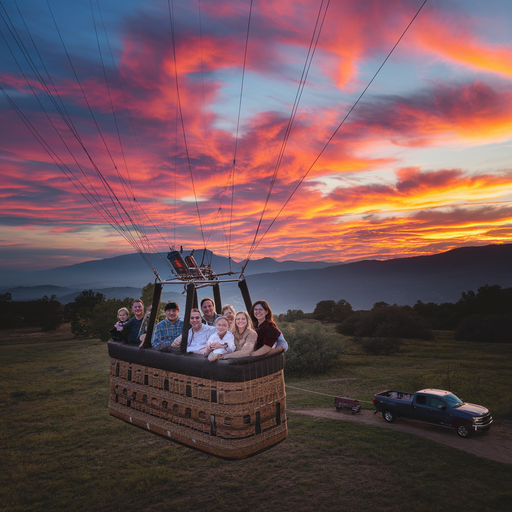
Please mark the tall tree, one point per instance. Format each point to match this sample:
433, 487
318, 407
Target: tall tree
80, 311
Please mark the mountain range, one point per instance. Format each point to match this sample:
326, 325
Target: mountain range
289, 284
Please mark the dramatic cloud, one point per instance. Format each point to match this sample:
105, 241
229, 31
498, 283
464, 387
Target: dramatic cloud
141, 123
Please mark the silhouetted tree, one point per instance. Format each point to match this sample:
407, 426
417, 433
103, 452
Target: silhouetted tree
342, 310
386, 321
48, 312
440, 316
80, 311
331, 311
88, 299
324, 310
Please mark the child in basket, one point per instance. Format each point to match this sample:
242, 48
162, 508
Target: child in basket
221, 342
116, 332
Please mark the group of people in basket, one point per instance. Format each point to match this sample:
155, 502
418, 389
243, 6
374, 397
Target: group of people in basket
225, 336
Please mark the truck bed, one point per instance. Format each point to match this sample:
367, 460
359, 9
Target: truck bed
397, 395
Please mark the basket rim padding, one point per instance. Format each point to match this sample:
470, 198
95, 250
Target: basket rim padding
196, 365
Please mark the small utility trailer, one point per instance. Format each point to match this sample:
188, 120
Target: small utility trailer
350, 404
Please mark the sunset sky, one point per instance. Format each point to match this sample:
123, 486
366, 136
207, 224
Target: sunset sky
133, 112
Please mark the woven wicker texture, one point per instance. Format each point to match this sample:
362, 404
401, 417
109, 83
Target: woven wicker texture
231, 420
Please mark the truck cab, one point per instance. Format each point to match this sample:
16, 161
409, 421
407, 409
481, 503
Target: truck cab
434, 408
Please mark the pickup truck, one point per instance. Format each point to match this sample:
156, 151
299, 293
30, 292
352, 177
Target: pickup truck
433, 406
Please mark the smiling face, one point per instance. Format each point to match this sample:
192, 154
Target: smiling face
208, 309
260, 313
241, 322
229, 314
123, 316
195, 321
138, 310
171, 314
222, 326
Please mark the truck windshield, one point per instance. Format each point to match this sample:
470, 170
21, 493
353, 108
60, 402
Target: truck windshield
452, 401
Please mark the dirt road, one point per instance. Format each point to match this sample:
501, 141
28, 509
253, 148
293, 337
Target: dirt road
496, 444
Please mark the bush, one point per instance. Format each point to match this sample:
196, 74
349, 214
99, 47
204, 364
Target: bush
485, 329
379, 346
312, 349
353, 323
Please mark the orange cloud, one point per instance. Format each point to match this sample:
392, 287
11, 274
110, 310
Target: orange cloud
417, 211
451, 37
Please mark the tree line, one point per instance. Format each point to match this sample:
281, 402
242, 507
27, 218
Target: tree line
484, 316
91, 314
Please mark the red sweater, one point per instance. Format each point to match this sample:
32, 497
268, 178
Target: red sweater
267, 334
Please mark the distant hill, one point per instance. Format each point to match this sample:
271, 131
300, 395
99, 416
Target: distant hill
438, 278
131, 270
298, 285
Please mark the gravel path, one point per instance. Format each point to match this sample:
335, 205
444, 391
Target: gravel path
495, 444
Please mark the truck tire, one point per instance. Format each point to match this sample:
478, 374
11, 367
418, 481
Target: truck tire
463, 430
389, 416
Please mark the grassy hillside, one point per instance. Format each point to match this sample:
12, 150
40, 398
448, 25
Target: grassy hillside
60, 450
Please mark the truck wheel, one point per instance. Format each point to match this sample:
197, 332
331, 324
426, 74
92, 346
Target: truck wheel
463, 430
389, 416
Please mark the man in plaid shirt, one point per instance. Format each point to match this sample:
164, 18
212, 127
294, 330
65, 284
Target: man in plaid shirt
168, 329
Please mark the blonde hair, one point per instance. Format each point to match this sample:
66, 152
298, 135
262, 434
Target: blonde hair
123, 309
248, 327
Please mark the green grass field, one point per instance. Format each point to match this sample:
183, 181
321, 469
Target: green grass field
60, 449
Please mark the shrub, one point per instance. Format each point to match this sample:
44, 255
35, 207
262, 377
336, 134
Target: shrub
379, 346
353, 323
312, 349
485, 329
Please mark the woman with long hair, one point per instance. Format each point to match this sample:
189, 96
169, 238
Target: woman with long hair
245, 336
266, 329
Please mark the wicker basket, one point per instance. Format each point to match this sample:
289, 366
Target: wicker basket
231, 411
